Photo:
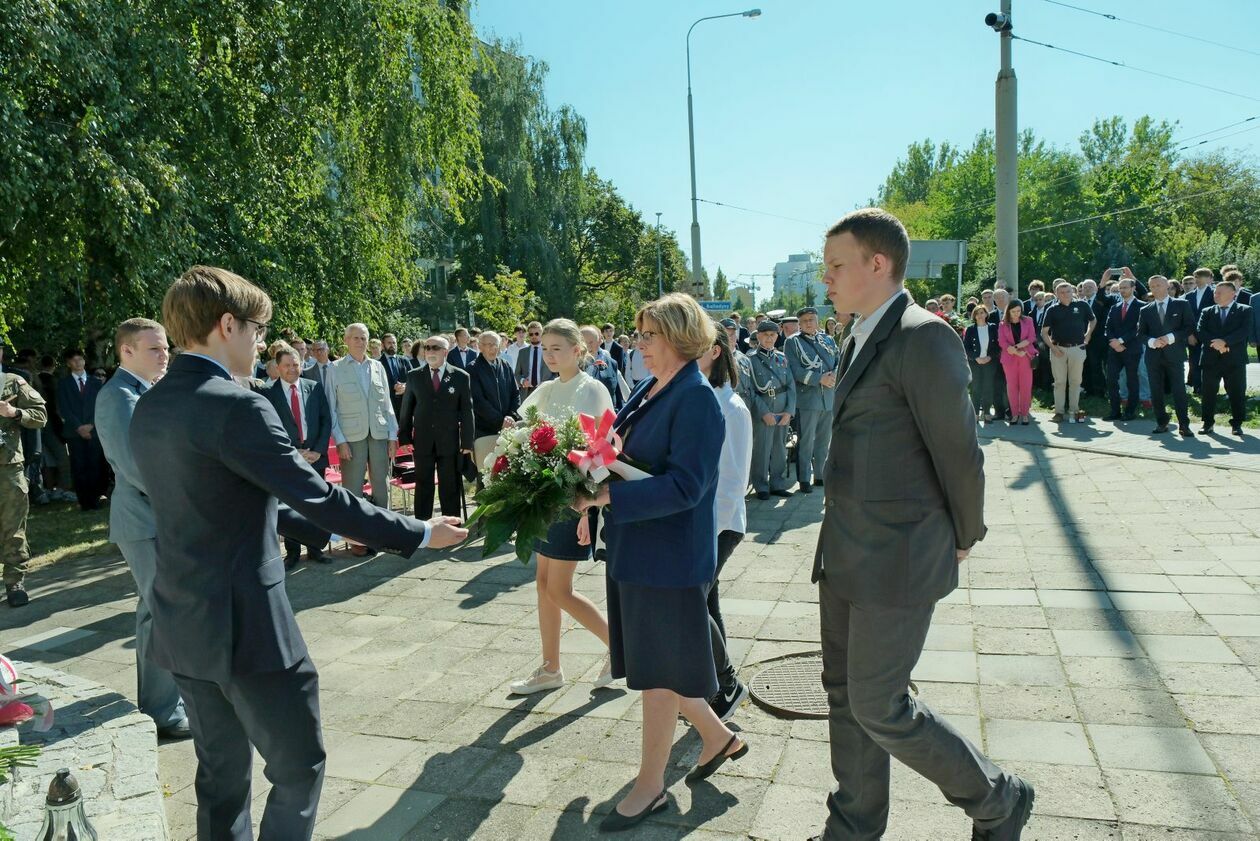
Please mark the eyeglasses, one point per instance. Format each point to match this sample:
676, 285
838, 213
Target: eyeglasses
648, 336
433, 347
260, 329
534, 335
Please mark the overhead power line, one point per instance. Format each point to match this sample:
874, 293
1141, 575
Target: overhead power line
1148, 71
765, 213
1173, 32
1148, 206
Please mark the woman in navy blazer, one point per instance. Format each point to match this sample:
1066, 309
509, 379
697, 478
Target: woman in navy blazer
983, 373
661, 534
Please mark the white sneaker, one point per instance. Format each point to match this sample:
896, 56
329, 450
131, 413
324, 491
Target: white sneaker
605, 674
540, 681
1073, 419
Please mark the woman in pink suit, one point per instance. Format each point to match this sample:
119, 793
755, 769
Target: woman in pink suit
1018, 341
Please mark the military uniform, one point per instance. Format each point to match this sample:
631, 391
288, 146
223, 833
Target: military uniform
14, 503
773, 392
811, 358
743, 387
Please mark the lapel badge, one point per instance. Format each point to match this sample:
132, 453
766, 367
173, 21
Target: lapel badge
451, 390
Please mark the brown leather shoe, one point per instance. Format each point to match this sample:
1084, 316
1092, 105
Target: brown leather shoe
359, 551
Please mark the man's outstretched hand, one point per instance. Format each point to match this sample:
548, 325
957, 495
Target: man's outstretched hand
446, 531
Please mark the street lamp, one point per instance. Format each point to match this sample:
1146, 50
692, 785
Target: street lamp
696, 269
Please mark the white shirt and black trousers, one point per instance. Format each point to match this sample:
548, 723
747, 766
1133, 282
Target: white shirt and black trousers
732, 519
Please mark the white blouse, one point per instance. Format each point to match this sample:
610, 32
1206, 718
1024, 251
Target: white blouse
734, 463
583, 394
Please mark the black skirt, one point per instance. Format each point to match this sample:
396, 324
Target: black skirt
659, 638
562, 543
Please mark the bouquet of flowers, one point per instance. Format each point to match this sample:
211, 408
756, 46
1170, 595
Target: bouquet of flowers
535, 472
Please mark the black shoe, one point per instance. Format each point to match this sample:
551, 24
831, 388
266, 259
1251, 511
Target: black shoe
16, 595
783, 493
806, 489
1237, 430
614, 821
1011, 828
1160, 430
1207, 429
724, 704
318, 556
291, 560
818, 483
1130, 416
763, 495
178, 730
1186, 431
601, 554
708, 769
1113, 417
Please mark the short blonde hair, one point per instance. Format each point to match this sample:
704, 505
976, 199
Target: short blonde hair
200, 297
683, 324
131, 328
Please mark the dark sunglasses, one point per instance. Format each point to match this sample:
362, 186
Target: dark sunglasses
434, 347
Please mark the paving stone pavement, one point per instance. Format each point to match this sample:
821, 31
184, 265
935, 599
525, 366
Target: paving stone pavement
1106, 644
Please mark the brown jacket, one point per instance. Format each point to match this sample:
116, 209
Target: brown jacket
905, 475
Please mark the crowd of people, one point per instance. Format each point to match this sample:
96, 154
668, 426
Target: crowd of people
1135, 344
220, 447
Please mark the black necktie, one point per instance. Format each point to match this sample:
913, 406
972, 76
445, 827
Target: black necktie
847, 358
533, 365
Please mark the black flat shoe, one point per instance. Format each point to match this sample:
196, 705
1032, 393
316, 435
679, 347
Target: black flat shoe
783, 493
806, 489
708, 769
16, 595
1186, 432
614, 821
763, 495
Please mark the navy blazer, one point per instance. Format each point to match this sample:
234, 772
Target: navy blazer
1235, 331
77, 408
318, 429
1178, 320
495, 395
462, 359
971, 341
662, 531
396, 368
1125, 328
215, 459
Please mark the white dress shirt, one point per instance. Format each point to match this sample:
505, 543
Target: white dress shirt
734, 463
863, 326
1161, 307
982, 332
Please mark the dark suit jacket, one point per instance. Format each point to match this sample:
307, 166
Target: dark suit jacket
1208, 300
522, 366
396, 368
1125, 328
77, 409
971, 342
1178, 320
215, 459
494, 395
318, 426
1235, 330
312, 374
1101, 306
441, 419
905, 476
617, 352
662, 531
462, 359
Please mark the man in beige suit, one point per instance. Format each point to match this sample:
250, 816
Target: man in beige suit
904, 505
364, 426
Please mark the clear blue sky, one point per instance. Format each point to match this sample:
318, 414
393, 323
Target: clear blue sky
803, 111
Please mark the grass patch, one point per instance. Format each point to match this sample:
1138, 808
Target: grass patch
1100, 407
61, 531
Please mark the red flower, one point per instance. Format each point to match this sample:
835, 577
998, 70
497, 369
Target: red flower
543, 439
500, 464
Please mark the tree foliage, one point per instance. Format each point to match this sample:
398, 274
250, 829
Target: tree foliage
1177, 212
503, 301
313, 148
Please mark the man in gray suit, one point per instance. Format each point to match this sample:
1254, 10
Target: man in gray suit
531, 370
813, 358
142, 354
905, 504
216, 461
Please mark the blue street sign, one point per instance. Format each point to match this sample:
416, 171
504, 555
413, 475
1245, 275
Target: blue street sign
717, 306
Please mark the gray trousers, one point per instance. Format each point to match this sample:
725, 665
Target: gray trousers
769, 457
277, 713
157, 694
369, 457
813, 443
868, 654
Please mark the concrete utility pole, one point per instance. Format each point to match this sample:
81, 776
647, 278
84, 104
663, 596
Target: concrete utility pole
1006, 128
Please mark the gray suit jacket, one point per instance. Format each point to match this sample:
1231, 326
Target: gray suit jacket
522, 367
905, 475
130, 515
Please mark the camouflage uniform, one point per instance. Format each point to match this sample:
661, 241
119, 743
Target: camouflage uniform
14, 503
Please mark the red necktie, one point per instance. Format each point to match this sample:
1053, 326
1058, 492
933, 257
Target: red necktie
437, 381
1124, 311
297, 412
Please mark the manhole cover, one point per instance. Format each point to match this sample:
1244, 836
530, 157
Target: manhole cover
791, 686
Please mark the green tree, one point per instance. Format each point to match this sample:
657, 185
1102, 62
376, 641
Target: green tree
721, 287
504, 300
